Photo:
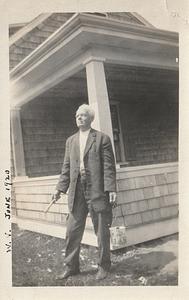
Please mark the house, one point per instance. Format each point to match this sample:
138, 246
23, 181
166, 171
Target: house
127, 70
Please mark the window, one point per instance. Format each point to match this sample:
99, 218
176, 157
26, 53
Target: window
117, 132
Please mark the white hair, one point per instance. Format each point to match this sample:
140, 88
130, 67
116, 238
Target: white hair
88, 109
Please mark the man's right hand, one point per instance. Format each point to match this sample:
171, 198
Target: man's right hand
56, 195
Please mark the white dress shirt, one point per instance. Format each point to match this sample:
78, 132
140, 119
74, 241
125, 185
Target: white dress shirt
83, 135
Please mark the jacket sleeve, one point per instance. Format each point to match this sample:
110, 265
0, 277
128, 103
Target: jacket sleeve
64, 179
109, 167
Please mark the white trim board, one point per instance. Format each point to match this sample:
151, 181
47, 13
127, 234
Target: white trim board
135, 235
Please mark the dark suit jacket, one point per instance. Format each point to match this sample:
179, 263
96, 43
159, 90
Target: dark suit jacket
100, 169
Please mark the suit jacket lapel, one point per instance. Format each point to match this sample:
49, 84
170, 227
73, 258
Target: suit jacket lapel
76, 146
90, 140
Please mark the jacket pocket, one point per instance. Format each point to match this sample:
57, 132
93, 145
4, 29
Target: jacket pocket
100, 204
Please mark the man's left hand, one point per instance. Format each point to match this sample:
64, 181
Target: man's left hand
113, 199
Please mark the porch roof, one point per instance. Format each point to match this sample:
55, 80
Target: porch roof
29, 36
85, 37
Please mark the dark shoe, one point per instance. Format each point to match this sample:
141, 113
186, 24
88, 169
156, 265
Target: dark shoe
67, 273
101, 274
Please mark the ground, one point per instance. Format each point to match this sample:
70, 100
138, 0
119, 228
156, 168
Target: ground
37, 259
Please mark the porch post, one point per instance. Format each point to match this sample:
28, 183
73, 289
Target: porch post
98, 95
17, 142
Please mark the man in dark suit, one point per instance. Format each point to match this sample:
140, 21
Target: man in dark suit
90, 174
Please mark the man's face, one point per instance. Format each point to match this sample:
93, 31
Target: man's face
83, 119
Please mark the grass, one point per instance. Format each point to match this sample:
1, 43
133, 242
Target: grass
37, 259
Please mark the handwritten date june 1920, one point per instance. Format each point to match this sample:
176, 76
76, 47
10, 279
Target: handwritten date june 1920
7, 184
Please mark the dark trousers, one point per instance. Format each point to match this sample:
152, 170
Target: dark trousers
76, 225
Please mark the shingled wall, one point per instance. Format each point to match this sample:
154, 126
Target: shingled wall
45, 128
150, 131
146, 195
35, 37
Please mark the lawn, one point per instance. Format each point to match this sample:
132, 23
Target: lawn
37, 259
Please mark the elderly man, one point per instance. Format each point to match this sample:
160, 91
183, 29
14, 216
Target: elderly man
89, 173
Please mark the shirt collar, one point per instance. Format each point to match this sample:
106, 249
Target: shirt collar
85, 132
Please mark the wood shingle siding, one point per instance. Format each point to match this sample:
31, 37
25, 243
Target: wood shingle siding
28, 45
22, 47
45, 128
148, 198
56, 208
147, 102
128, 17
61, 17
34, 38
49, 217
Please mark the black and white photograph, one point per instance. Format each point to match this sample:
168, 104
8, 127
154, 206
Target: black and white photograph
91, 189
115, 77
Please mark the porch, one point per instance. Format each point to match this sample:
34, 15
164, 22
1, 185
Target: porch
129, 75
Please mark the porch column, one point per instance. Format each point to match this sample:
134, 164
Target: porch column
17, 142
98, 95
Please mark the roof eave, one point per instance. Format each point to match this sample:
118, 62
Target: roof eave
82, 20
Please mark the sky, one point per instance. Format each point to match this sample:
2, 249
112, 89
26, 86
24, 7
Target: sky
165, 14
